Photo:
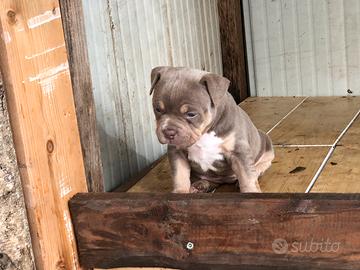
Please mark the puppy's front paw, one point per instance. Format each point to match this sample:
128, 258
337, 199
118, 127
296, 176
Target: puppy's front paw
249, 186
250, 189
178, 190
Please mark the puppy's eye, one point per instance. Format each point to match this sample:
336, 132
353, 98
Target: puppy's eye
191, 115
158, 109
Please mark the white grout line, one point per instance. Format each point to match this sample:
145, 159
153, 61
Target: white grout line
317, 174
300, 145
278, 123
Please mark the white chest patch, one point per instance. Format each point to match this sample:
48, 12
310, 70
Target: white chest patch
206, 151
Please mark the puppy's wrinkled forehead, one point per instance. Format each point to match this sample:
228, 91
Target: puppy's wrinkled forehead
179, 86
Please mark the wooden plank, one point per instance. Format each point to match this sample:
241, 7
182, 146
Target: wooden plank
228, 231
233, 50
138, 268
352, 135
158, 172
292, 169
342, 173
319, 120
158, 179
41, 107
266, 112
74, 30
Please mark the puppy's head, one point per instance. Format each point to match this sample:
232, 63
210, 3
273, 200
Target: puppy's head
185, 102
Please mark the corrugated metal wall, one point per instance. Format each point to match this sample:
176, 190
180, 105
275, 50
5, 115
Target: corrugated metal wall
126, 38
304, 47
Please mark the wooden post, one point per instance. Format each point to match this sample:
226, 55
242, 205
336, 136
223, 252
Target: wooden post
43, 119
233, 49
218, 231
75, 38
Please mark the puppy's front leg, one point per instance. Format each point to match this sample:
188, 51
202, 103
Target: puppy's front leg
180, 169
246, 173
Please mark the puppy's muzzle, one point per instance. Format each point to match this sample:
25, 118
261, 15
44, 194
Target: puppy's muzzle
174, 132
169, 133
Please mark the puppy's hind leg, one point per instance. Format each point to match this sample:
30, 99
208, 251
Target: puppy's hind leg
264, 162
268, 155
246, 173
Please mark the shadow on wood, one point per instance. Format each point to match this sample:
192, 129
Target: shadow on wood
218, 231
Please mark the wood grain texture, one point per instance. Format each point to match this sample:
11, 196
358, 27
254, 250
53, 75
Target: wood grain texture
352, 135
73, 23
232, 39
43, 119
266, 112
154, 230
319, 120
342, 172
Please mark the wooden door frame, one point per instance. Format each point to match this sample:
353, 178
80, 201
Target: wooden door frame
38, 89
75, 39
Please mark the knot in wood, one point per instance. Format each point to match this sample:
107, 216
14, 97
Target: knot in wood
50, 146
11, 14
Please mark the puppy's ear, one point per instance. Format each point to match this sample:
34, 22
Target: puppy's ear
155, 76
216, 86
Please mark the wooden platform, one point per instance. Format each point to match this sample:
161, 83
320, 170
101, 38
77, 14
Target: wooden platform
303, 130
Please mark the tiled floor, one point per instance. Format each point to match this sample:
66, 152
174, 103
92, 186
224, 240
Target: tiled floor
317, 146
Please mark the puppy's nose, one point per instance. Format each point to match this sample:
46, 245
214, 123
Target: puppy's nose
169, 133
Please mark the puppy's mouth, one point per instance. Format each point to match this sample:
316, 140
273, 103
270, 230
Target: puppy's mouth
182, 140
178, 142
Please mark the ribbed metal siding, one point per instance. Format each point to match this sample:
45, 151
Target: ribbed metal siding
304, 47
125, 40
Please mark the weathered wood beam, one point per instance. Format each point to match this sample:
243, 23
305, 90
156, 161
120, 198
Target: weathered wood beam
43, 119
233, 49
218, 231
75, 38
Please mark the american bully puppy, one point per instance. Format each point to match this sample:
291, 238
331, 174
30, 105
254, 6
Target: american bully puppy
210, 139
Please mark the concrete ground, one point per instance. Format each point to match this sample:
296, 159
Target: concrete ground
15, 244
